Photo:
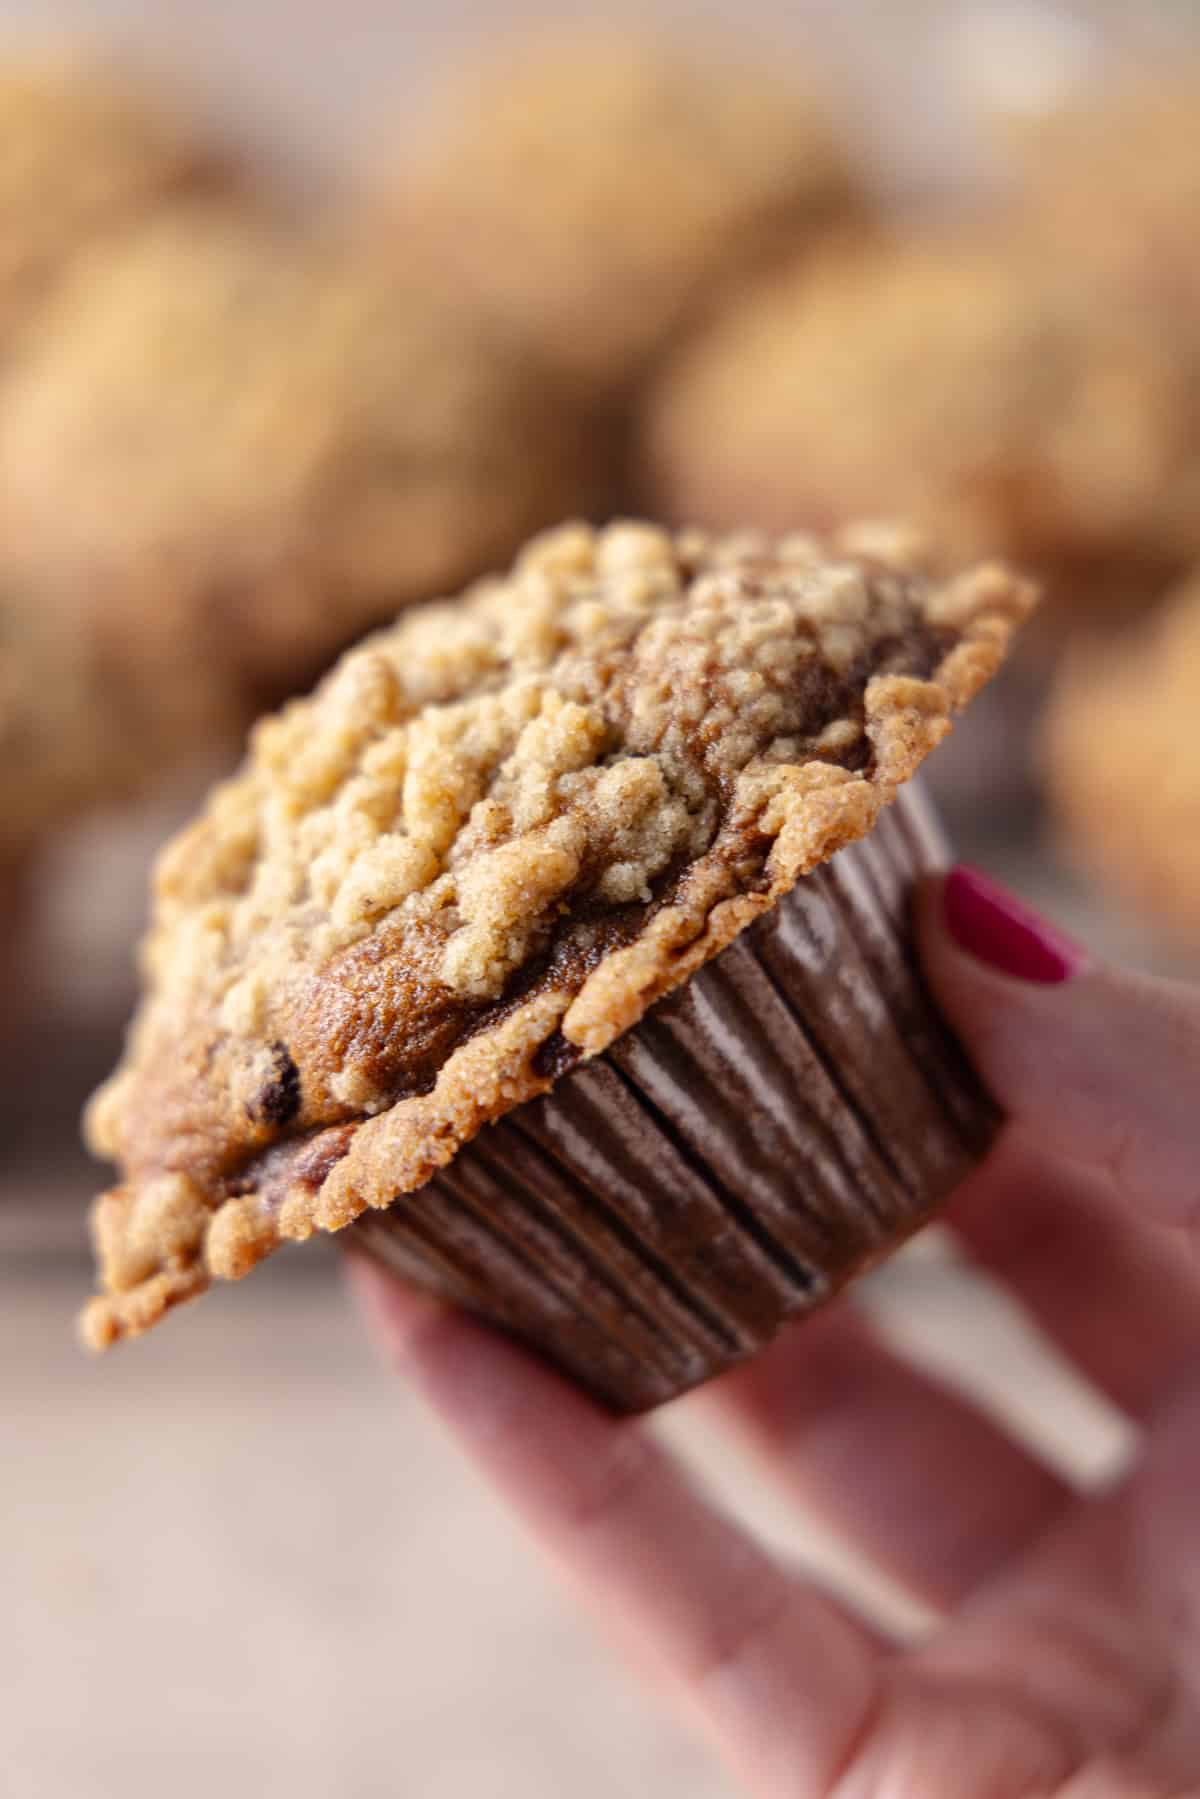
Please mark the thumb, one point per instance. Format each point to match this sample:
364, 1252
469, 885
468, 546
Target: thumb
1098, 1064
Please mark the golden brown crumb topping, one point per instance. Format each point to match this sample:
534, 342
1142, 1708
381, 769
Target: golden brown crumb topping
490, 840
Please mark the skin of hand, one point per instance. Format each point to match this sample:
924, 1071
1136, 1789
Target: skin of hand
1066, 1660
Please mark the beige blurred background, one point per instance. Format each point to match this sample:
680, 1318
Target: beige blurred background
307, 80
238, 1558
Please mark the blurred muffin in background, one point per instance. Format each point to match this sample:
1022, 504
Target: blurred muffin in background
223, 454
592, 186
78, 729
83, 719
1110, 184
1123, 765
961, 385
82, 154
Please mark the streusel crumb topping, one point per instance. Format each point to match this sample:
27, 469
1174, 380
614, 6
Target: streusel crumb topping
496, 834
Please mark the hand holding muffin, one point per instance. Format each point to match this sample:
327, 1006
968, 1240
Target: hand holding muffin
1068, 1653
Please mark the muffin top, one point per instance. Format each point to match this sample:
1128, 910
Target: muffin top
82, 154
261, 446
1122, 763
959, 384
590, 185
494, 836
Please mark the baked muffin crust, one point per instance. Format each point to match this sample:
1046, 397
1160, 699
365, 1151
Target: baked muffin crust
494, 836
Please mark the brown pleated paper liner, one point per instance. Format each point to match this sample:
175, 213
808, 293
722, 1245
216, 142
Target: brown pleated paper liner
788, 1116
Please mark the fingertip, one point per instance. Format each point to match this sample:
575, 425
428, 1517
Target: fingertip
929, 912
477, 1378
395, 1315
970, 996
1098, 1064
968, 913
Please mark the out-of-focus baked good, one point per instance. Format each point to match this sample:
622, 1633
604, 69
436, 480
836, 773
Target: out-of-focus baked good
224, 454
82, 154
89, 716
1123, 766
294, 444
491, 840
964, 385
592, 185
1110, 187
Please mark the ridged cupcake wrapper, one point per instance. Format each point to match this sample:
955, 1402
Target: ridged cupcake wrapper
789, 1115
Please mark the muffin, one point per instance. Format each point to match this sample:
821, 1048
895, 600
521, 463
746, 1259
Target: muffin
1110, 184
1122, 765
88, 718
592, 186
516, 952
83, 155
226, 453
61, 741
960, 384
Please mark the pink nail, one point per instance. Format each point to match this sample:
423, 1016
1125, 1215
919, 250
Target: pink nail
999, 930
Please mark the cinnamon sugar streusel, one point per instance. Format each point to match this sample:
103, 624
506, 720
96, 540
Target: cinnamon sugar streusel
494, 836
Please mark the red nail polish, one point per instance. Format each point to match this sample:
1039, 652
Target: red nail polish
998, 929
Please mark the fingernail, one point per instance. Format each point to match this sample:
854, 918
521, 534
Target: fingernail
996, 928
